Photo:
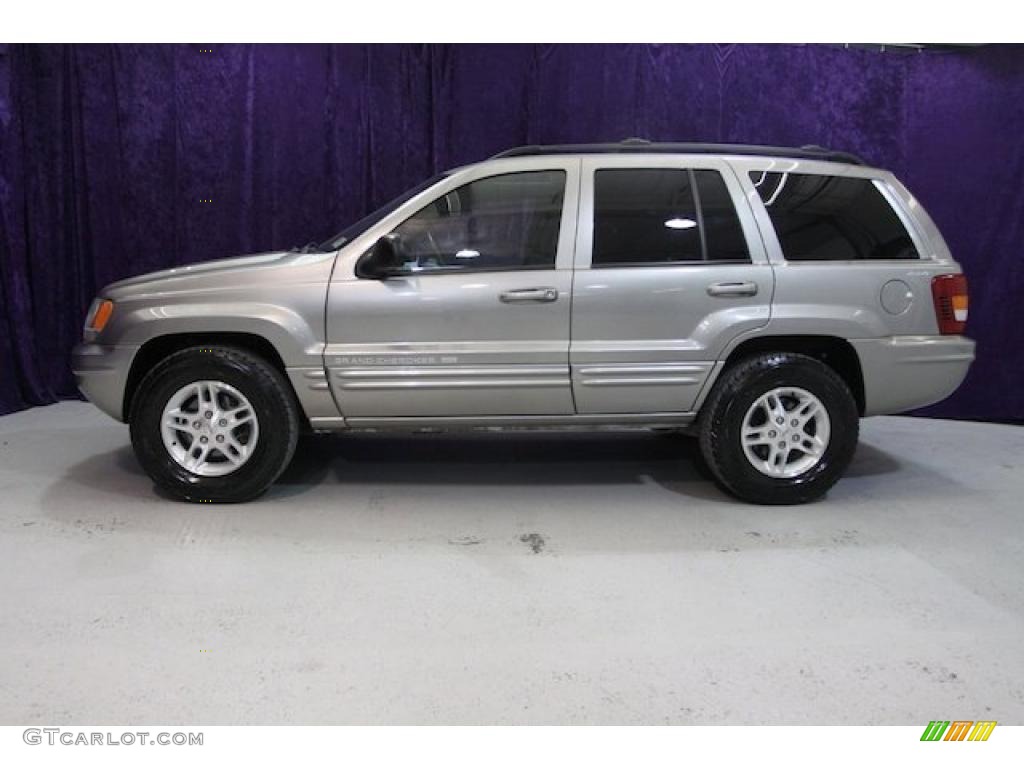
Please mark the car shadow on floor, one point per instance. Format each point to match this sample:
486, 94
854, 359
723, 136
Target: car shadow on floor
523, 458
671, 461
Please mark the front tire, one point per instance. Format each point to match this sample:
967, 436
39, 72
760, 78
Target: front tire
779, 428
214, 424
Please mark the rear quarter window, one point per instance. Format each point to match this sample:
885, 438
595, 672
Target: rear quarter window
832, 218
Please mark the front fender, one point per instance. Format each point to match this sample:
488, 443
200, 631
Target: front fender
292, 333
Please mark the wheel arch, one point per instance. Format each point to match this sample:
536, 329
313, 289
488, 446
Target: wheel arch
159, 347
833, 351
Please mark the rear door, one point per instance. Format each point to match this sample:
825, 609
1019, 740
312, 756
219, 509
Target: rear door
669, 268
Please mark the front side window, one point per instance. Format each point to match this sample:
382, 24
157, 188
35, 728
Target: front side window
501, 222
654, 216
832, 218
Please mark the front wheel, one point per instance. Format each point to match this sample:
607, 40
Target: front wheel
214, 424
779, 428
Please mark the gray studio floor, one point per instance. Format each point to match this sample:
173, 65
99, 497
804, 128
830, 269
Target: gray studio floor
511, 579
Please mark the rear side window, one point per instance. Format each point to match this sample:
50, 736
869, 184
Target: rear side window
722, 231
832, 218
655, 216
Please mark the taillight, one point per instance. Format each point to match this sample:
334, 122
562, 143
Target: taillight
949, 292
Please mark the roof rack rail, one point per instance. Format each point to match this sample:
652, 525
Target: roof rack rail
638, 145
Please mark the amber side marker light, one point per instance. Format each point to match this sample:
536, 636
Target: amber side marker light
99, 316
949, 293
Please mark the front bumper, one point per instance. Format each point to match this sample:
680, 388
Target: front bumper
904, 372
101, 373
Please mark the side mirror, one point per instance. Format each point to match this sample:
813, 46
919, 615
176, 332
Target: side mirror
383, 260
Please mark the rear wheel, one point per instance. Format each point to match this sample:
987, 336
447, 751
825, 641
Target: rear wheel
214, 424
779, 428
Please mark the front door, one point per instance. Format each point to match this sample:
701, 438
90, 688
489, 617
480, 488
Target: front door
476, 323
669, 269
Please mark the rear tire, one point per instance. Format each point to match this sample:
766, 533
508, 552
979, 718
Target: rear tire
756, 439
238, 462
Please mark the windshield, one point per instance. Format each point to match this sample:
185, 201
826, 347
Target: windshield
353, 231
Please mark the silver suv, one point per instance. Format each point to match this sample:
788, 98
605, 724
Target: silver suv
761, 298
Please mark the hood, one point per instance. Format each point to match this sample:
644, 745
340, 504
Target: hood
220, 273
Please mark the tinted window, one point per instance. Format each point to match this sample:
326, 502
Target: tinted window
652, 216
644, 216
722, 231
832, 218
501, 222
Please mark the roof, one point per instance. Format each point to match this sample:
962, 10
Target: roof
642, 146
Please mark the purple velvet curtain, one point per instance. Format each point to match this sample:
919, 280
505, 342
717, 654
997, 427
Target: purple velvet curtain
107, 153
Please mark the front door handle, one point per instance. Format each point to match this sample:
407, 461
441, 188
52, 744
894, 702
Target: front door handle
542, 295
733, 289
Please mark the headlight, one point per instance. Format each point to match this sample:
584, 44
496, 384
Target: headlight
98, 317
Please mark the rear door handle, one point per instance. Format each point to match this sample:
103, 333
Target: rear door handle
518, 295
733, 289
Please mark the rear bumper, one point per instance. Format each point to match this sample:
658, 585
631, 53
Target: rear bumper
905, 372
101, 373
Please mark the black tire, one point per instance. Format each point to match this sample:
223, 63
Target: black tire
721, 422
267, 391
